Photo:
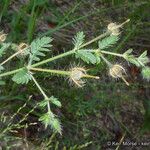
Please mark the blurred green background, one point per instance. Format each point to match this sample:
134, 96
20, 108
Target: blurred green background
103, 110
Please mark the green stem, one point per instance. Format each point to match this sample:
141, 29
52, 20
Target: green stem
39, 87
51, 71
53, 58
106, 61
67, 73
43, 93
111, 53
96, 39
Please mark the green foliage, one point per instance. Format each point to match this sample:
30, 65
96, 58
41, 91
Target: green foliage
140, 61
78, 40
50, 119
107, 42
2, 82
22, 77
52, 99
146, 73
143, 59
87, 56
39, 46
55, 101
3, 48
1, 68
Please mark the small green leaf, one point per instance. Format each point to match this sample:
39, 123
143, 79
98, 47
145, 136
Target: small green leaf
146, 73
143, 59
78, 40
38, 47
55, 101
3, 48
86, 56
144, 54
43, 103
56, 126
129, 51
107, 42
50, 119
45, 119
22, 77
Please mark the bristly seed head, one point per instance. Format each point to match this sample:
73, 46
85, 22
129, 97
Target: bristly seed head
117, 71
3, 37
76, 75
115, 28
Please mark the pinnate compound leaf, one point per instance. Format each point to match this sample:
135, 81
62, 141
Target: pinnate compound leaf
50, 119
143, 59
55, 101
107, 42
22, 77
140, 61
39, 46
86, 56
78, 40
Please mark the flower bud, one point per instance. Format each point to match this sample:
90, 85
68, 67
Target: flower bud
113, 28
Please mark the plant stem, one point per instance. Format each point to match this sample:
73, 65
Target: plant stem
90, 76
11, 72
39, 87
96, 39
67, 73
41, 90
111, 53
51, 71
53, 58
12, 56
106, 61
104, 52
